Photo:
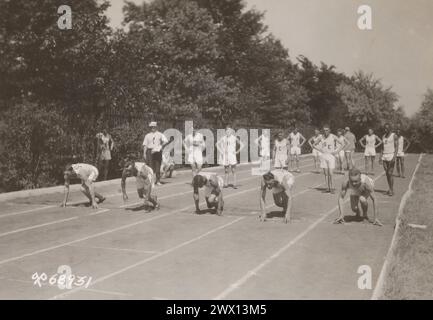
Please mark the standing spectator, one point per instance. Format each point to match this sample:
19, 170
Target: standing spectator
228, 155
194, 145
105, 146
153, 144
389, 154
403, 145
349, 150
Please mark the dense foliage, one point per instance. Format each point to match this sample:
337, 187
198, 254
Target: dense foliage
211, 61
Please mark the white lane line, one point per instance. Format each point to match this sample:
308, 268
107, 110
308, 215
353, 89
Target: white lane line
84, 238
25, 211
237, 284
107, 210
113, 293
37, 226
112, 230
171, 249
98, 212
114, 249
156, 256
173, 195
380, 284
245, 179
179, 183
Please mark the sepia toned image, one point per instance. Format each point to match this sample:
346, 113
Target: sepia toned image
216, 150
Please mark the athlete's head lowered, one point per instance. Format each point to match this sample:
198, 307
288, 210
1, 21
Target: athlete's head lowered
269, 180
355, 177
199, 181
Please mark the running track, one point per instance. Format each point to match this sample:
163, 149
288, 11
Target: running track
174, 254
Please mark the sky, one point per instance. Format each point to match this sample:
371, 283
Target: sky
398, 50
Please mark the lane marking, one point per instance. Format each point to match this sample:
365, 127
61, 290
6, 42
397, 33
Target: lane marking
97, 212
112, 230
37, 226
173, 248
380, 284
188, 192
158, 255
25, 211
237, 284
114, 293
118, 228
107, 210
114, 249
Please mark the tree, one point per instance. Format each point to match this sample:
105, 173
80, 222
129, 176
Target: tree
422, 125
369, 104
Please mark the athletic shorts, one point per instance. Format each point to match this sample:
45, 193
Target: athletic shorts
388, 157
327, 161
229, 160
195, 156
316, 153
370, 152
341, 154
389, 164
105, 155
400, 154
349, 151
280, 161
209, 191
93, 176
295, 151
142, 184
280, 199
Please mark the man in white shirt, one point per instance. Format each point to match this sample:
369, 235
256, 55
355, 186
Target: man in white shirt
316, 154
296, 140
194, 145
403, 145
329, 146
227, 147
153, 144
88, 175
105, 147
389, 154
280, 152
370, 142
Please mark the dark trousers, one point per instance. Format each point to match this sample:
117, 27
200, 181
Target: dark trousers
154, 160
103, 169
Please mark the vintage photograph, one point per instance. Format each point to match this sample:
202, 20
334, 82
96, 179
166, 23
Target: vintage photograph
216, 150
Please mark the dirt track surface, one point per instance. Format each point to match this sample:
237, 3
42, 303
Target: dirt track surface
174, 254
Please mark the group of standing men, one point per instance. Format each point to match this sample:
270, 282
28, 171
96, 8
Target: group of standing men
328, 149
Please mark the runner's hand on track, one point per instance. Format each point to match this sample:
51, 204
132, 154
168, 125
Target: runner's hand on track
339, 221
63, 205
377, 223
95, 205
125, 198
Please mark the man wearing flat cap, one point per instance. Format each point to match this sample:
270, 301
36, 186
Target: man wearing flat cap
153, 144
